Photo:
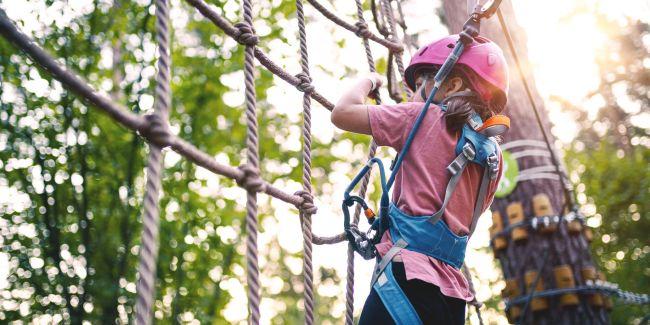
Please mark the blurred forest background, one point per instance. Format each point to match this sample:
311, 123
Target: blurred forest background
71, 180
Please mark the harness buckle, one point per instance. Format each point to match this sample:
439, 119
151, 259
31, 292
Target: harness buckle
468, 151
493, 165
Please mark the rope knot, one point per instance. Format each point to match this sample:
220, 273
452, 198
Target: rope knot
156, 130
246, 34
307, 205
304, 83
362, 29
251, 181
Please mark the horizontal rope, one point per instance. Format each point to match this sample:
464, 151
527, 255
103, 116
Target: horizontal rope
607, 288
360, 29
142, 124
59, 72
236, 34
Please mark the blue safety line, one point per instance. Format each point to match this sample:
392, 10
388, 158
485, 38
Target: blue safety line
441, 75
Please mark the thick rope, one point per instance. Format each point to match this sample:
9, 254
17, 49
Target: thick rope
247, 37
388, 13
233, 32
306, 193
360, 28
154, 128
349, 288
146, 125
146, 287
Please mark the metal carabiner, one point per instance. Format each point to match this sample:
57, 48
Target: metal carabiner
487, 9
360, 242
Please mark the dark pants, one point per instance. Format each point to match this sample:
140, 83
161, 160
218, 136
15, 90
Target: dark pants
431, 305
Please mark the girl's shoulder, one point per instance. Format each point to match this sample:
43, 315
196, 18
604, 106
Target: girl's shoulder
412, 108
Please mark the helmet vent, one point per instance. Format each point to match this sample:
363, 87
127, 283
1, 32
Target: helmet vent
424, 50
450, 45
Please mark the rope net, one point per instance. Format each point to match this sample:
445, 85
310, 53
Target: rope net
155, 129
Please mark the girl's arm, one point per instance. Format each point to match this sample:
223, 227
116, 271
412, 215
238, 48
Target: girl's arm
350, 113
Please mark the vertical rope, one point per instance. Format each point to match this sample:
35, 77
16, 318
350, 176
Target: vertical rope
149, 248
252, 164
305, 216
349, 289
387, 11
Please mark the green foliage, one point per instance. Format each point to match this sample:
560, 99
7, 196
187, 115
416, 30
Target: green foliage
72, 247
611, 155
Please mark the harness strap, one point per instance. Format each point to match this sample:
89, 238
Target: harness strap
456, 169
395, 300
392, 252
490, 172
480, 199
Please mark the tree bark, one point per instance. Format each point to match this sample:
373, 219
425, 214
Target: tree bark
560, 251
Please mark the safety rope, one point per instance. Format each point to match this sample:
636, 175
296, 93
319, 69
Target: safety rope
146, 286
154, 128
591, 287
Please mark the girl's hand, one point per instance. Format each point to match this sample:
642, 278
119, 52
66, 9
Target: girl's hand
376, 81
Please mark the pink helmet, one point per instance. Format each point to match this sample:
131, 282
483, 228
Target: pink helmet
483, 57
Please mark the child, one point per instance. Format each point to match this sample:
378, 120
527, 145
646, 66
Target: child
478, 83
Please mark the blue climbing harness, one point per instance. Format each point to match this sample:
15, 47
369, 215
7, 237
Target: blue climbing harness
428, 234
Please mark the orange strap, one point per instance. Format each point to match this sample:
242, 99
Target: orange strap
495, 120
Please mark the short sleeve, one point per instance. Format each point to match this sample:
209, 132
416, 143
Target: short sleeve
390, 124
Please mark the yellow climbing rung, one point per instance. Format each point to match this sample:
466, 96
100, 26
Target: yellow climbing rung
515, 213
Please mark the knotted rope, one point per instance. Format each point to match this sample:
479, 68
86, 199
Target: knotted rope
160, 136
251, 180
307, 208
362, 29
304, 85
245, 34
157, 130
154, 127
251, 170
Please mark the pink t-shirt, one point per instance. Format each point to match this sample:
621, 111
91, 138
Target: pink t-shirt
420, 185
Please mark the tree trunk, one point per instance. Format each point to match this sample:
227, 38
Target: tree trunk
558, 250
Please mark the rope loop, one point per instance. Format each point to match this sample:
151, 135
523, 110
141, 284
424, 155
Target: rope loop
362, 29
304, 83
246, 34
307, 205
251, 181
157, 130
